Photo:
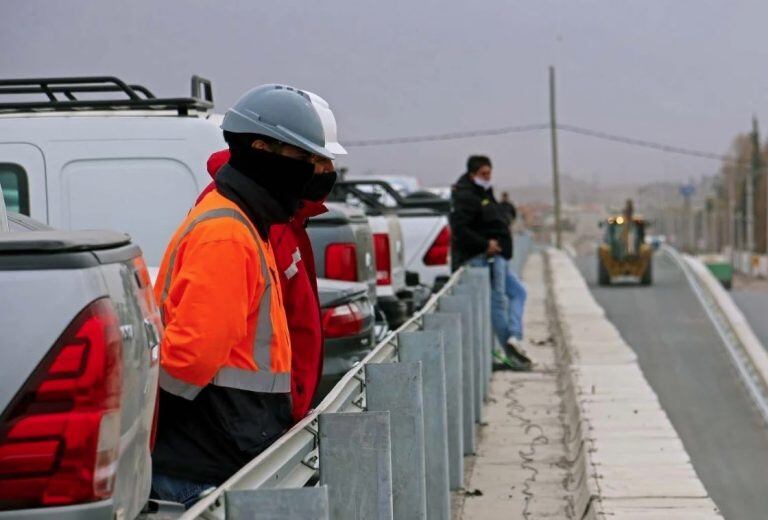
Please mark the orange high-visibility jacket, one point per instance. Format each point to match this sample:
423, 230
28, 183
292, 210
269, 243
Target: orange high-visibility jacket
220, 299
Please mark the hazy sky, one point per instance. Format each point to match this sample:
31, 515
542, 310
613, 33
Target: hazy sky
686, 72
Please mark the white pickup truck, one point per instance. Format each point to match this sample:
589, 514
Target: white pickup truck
423, 220
99, 152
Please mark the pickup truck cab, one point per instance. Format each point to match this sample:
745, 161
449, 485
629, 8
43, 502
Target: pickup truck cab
98, 152
79, 340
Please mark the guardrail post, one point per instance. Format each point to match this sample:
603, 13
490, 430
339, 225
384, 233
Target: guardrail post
482, 277
427, 347
478, 278
450, 325
277, 504
467, 289
396, 387
355, 464
463, 306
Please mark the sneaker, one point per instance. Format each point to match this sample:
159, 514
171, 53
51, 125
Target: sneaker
514, 352
502, 362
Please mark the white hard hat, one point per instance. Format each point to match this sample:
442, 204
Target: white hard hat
329, 123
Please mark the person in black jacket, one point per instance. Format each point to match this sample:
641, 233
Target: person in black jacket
509, 208
481, 236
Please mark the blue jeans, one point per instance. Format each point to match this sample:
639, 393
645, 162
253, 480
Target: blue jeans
178, 490
508, 296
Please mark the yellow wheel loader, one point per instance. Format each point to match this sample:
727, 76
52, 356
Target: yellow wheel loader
623, 253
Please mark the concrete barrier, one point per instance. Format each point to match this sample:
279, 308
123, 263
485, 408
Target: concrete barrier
626, 459
750, 264
747, 352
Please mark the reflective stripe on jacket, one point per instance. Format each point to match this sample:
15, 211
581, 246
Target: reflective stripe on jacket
298, 280
220, 299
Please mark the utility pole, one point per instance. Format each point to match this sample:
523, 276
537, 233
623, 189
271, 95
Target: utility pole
555, 167
688, 239
731, 212
749, 191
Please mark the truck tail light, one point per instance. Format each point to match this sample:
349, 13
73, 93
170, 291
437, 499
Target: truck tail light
60, 436
383, 261
343, 320
438, 253
341, 262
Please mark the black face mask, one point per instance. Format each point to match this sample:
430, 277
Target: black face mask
319, 186
284, 178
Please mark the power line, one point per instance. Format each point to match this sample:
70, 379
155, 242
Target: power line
643, 143
448, 137
605, 136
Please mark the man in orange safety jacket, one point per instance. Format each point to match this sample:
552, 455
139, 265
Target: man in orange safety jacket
226, 354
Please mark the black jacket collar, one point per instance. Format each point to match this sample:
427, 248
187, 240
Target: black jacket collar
256, 202
465, 182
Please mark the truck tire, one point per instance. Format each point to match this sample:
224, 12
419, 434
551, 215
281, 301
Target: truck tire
647, 278
603, 278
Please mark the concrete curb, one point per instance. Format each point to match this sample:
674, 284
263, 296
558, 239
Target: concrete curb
626, 458
753, 347
746, 351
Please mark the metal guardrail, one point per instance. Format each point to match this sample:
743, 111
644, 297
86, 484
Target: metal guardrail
523, 248
292, 461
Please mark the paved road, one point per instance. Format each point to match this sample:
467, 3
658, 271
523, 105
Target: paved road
754, 304
686, 364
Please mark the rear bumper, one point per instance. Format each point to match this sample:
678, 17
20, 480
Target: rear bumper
341, 354
91, 511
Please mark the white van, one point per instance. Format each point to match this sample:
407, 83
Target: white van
95, 152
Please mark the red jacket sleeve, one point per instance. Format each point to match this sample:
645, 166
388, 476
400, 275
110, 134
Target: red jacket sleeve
302, 311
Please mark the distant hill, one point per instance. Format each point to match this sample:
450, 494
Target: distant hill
574, 192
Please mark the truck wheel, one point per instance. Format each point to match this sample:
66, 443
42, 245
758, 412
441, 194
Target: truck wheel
647, 278
603, 278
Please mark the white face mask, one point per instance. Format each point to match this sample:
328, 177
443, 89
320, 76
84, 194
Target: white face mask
485, 184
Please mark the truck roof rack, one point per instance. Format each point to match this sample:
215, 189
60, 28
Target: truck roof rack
62, 95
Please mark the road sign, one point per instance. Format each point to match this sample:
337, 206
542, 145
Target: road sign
686, 190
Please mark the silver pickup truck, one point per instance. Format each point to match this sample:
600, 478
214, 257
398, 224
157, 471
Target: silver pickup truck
79, 341
342, 242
